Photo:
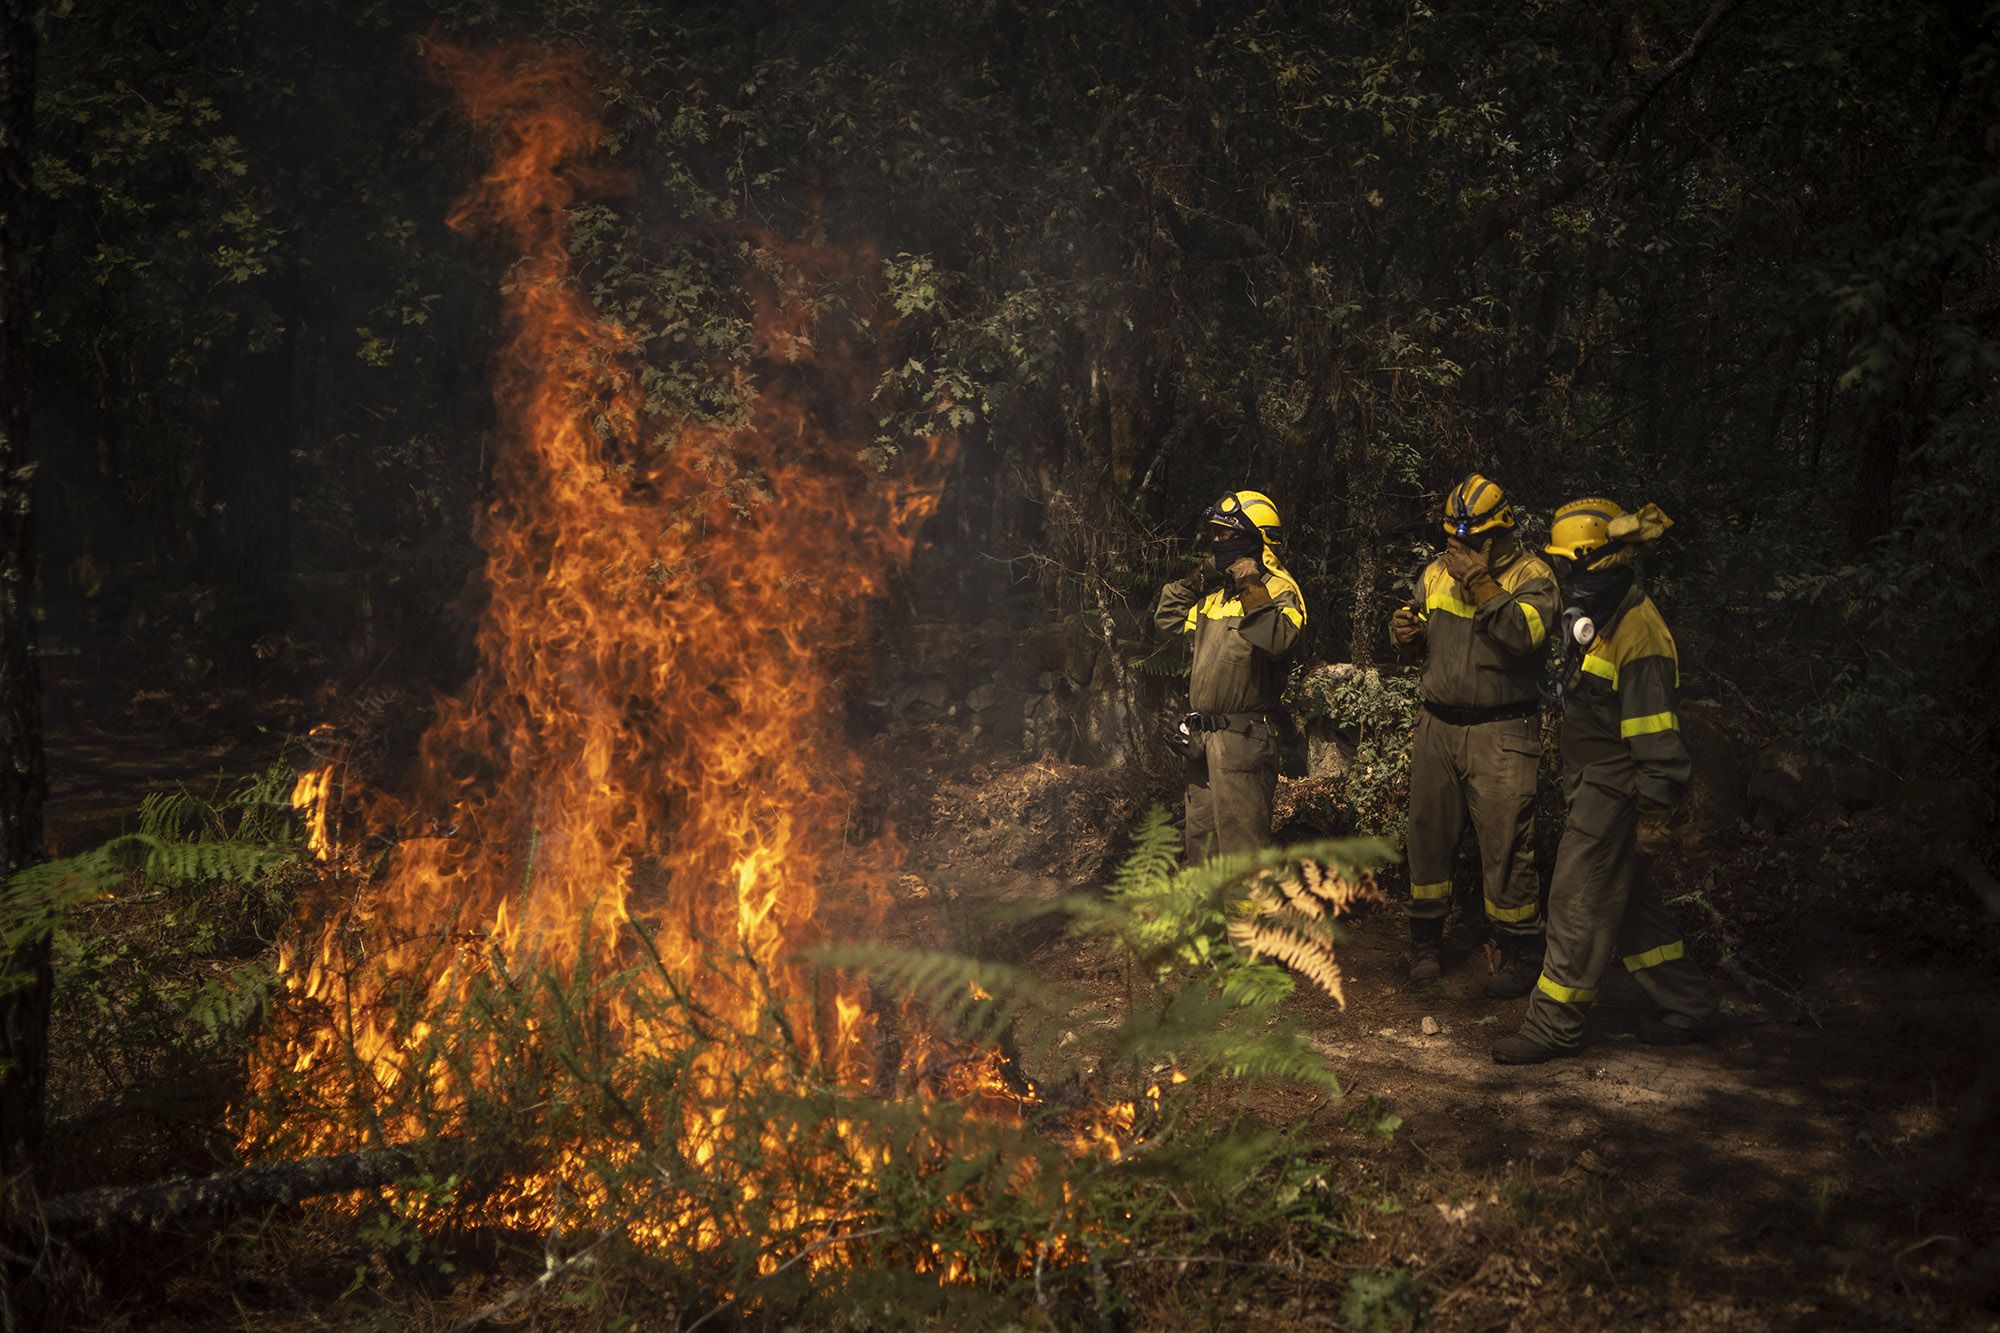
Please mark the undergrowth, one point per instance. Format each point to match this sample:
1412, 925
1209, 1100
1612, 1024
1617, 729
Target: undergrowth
720, 1170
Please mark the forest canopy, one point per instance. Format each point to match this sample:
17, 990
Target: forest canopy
1735, 260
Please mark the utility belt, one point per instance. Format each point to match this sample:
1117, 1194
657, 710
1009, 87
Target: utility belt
1199, 723
1184, 736
1472, 717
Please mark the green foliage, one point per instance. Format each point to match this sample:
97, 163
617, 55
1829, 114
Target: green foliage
1375, 711
182, 841
973, 999
1383, 1301
147, 936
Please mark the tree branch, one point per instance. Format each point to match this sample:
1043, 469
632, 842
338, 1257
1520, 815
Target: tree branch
149, 1207
1616, 125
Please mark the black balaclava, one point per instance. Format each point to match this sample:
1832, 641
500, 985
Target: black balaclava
1230, 544
1599, 591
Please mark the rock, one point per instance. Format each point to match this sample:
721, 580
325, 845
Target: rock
1430, 1026
1329, 750
1776, 798
921, 694
983, 697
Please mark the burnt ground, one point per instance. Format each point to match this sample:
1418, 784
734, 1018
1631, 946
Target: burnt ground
1830, 1160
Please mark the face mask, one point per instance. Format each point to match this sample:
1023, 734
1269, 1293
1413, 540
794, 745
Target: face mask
1594, 595
1231, 546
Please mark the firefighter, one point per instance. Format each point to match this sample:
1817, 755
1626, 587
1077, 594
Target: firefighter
1625, 768
1245, 613
1481, 614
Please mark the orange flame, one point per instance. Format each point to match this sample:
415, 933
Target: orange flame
309, 797
651, 754
655, 730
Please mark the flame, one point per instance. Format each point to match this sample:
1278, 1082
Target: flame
310, 795
654, 734
649, 762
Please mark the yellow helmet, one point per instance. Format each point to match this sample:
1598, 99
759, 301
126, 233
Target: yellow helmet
1580, 527
1474, 506
1255, 507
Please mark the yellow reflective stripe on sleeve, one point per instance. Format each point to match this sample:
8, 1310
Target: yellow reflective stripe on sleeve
1666, 953
1647, 725
1563, 994
1536, 630
1293, 614
1499, 913
1600, 666
1426, 892
1193, 617
1444, 601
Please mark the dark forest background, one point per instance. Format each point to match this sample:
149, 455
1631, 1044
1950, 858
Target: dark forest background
1738, 260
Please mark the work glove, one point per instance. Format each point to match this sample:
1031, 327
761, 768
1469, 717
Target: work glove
1248, 576
1405, 627
1473, 567
1205, 579
1656, 834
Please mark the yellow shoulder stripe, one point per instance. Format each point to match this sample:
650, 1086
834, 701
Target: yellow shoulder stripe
1536, 630
1443, 600
1600, 666
1279, 581
1523, 569
1648, 725
1642, 633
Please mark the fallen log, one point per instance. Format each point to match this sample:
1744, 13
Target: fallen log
117, 1208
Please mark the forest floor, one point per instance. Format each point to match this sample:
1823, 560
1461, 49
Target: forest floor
1829, 1160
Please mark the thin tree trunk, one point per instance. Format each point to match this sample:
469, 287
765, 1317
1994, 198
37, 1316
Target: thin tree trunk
24, 1008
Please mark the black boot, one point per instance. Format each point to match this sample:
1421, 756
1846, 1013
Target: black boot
1515, 1049
1426, 944
1520, 966
1660, 1032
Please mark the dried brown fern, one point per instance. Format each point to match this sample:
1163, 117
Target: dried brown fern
1273, 937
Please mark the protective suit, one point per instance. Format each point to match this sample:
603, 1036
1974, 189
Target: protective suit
1625, 769
1244, 613
1481, 615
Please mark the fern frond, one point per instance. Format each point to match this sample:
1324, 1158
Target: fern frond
971, 996
1290, 944
1149, 868
1257, 985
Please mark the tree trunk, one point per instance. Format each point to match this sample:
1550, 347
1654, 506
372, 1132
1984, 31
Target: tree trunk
24, 1010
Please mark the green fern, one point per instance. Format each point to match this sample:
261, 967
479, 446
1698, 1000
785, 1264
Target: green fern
238, 837
972, 997
1173, 658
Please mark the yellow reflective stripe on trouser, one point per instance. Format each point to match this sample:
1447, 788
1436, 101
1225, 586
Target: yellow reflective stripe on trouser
1563, 994
1536, 630
1425, 892
1499, 913
1647, 725
1666, 953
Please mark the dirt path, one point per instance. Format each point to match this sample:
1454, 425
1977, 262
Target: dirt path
1799, 1169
